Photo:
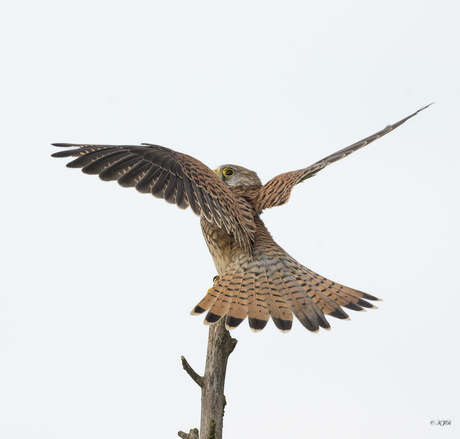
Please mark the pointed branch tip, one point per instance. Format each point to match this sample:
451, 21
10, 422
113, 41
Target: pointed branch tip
193, 375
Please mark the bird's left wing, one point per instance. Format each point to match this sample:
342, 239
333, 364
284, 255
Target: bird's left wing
278, 190
177, 178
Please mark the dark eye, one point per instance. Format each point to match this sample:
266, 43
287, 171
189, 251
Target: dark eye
228, 172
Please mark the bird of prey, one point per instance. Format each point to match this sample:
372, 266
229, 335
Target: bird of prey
257, 278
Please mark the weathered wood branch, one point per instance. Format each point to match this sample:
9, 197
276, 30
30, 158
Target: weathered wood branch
193, 434
220, 346
193, 375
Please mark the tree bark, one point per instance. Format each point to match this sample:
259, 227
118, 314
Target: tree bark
220, 346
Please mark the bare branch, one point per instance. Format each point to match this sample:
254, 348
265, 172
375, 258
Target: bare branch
193, 434
193, 375
220, 346
213, 402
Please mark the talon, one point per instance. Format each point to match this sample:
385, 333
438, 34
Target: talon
215, 279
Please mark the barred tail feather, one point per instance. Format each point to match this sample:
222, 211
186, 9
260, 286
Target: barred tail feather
297, 301
238, 309
275, 285
277, 308
258, 306
218, 297
340, 294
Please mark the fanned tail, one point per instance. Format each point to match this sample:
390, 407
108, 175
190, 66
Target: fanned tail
274, 284
240, 293
279, 294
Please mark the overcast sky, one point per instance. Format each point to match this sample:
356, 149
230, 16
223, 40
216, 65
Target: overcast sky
98, 281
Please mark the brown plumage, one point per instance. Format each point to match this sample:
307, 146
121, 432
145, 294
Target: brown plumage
258, 279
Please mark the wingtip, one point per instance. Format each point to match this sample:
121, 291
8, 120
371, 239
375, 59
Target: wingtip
423, 108
65, 145
426, 106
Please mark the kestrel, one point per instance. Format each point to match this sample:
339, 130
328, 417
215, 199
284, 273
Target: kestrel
257, 278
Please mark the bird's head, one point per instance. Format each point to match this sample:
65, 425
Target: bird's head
237, 176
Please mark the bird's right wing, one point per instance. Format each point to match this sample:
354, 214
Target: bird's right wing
177, 178
278, 190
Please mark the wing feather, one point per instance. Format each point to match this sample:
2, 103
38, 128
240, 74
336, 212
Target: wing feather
158, 187
278, 190
119, 168
99, 164
173, 176
134, 174
147, 180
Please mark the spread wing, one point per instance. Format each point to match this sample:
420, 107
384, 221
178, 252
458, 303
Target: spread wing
177, 178
278, 190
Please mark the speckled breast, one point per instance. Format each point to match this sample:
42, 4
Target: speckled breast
221, 245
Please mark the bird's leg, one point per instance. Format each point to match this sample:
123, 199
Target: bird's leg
215, 279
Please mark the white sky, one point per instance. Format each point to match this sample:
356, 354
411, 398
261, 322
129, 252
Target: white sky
97, 282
